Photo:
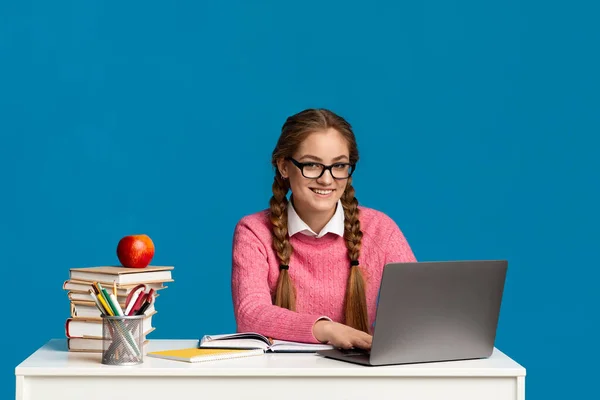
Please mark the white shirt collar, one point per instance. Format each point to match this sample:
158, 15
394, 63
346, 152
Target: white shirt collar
335, 224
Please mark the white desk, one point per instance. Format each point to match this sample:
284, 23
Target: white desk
54, 373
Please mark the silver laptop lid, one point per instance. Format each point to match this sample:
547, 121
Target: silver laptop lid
437, 311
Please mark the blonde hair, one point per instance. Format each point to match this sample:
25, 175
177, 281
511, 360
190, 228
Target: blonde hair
295, 129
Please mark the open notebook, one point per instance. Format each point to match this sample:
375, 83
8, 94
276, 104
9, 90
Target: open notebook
252, 341
193, 355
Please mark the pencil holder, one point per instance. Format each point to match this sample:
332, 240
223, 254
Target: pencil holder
122, 342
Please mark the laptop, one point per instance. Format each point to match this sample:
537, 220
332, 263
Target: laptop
432, 312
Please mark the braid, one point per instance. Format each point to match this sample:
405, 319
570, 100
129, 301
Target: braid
355, 307
285, 295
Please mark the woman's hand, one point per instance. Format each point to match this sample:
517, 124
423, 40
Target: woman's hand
340, 335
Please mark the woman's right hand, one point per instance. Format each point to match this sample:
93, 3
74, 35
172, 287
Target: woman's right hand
340, 335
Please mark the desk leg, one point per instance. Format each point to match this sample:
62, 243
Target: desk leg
20, 387
520, 388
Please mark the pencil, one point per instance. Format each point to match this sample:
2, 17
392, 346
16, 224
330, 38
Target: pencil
115, 288
100, 307
95, 288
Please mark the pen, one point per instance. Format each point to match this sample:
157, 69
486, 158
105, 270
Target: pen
138, 303
147, 301
132, 299
116, 304
98, 304
96, 288
107, 309
143, 309
109, 301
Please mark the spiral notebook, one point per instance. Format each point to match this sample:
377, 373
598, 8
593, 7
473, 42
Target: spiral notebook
193, 355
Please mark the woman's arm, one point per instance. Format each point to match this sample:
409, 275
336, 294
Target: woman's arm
253, 307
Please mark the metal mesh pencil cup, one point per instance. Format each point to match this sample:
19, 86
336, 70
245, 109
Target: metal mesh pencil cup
122, 340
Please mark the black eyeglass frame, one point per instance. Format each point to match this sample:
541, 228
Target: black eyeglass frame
301, 166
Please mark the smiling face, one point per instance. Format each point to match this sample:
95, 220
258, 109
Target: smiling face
317, 198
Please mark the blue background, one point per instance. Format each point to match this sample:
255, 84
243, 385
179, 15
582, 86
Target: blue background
477, 124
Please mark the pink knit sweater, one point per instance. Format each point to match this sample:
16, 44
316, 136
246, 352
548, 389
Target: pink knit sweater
319, 269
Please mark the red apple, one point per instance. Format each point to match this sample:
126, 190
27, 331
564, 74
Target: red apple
135, 251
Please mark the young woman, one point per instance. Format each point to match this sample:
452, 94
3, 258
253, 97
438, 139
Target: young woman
308, 269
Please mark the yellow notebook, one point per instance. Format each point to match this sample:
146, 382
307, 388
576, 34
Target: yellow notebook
197, 355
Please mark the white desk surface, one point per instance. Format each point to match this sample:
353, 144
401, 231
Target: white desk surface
53, 359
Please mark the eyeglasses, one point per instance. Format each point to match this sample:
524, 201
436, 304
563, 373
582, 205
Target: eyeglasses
313, 170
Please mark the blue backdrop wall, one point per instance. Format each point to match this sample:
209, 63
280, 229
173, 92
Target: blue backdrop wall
477, 124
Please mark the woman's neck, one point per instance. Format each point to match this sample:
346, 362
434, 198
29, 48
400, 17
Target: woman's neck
316, 220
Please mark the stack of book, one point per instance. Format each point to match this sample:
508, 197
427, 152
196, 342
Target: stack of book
83, 327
